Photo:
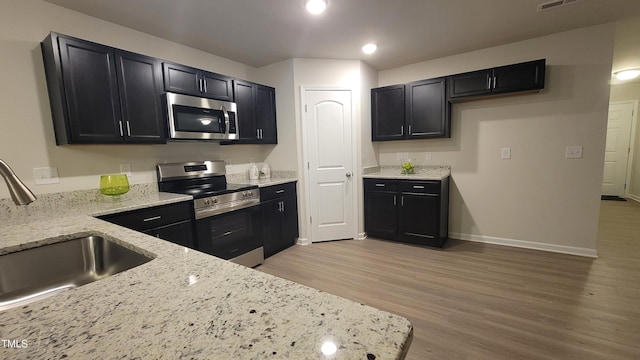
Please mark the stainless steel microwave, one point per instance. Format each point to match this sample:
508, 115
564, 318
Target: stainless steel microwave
194, 118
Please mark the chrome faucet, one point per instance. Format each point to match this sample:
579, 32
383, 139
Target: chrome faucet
20, 193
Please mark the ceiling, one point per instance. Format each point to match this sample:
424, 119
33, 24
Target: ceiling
262, 32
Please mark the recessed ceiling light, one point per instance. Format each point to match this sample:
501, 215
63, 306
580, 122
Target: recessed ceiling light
369, 48
316, 6
627, 74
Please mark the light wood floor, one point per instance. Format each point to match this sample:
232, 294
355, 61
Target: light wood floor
477, 301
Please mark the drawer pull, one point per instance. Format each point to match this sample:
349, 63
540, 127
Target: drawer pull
418, 186
279, 191
380, 185
152, 218
227, 233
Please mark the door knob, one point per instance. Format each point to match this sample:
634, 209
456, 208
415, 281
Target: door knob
348, 174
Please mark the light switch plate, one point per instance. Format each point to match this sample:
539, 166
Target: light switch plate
573, 152
506, 153
46, 175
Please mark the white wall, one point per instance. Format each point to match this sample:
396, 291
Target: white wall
367, 149
26, 137
283, 156
538, 198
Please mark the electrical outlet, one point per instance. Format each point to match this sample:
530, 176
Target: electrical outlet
573, 152
506, 153
125, 169
46, 175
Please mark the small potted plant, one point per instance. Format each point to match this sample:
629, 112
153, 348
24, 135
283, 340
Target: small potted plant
408, 167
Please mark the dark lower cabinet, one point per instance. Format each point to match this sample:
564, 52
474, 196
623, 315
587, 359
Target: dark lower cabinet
414, 211
279, 210
102, 95
173, 222
179, 233
418, 218
381, 197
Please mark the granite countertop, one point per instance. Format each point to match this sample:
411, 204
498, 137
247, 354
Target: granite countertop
183, 304
278, 178
421, 173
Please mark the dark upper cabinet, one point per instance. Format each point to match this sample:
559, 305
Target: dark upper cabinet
526, 76
387, 113
94, 93
140, 83
191, 81
428, 111
256, 112
417, 110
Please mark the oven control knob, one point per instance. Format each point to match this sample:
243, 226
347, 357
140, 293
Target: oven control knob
215, 200
207, 201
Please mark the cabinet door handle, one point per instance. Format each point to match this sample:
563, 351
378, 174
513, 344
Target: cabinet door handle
401, 200
279, 191
257, 133
204, 85
128, 129
120, 124
152, 218
401, 130
494, 81
282, 206
199, 84
394, 200
409, 132
488, 82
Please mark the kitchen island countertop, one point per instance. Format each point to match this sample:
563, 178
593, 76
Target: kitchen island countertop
184, 304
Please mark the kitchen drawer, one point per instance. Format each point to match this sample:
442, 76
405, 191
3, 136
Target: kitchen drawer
420, 187
277, 191
381, 184
150, 218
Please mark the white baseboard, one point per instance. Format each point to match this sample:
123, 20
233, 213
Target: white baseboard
634, 197
303, 241
526, 244
362, 236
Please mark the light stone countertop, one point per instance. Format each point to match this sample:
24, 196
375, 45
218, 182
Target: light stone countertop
277, 178
421, 173
183, 304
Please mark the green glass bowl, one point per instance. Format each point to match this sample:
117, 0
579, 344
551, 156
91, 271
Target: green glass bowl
114, 184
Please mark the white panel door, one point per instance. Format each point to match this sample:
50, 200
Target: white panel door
330, 164
616, 153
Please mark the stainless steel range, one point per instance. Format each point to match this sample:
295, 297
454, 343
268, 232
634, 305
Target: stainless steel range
227, 215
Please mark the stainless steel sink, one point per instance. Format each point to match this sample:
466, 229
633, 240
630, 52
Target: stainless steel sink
33, 274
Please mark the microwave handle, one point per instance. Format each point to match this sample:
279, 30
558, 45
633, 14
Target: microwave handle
226, 120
